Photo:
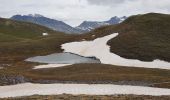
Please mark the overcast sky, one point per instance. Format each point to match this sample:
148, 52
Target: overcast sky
74, 12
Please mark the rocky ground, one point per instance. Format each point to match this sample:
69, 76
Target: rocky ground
10, 80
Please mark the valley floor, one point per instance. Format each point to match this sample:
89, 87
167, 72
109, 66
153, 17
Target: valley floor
23, 72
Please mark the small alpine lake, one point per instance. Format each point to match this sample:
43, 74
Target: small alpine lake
63, 58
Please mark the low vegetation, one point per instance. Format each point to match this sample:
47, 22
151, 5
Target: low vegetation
85, 73
20, 40
143, 37
22, 30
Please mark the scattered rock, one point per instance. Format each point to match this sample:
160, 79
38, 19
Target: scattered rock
10, 80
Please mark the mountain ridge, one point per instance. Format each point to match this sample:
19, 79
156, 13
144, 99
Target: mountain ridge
47, 22
57, 25
91, 25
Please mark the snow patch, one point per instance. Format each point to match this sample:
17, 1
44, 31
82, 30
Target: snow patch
35, 15
44, 34
98, 48
28, 89
50, 66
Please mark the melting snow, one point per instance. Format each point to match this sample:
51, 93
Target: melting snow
28, 89
50, 66
99, 49
44, 34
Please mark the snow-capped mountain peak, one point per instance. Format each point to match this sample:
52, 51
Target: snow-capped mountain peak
48, 22
90, 25
57, 25
35, 15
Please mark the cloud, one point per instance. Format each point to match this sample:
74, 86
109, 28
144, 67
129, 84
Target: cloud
76, 11
105, 2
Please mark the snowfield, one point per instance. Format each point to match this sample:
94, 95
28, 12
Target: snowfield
29, 89
98, 48
50, 66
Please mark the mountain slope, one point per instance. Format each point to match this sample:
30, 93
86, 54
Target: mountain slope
84, 27
90, 25
20, 40
10, 29
44, 21
144, 37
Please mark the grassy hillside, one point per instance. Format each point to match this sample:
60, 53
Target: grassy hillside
19, 40
17, 29
145, 37
8, 38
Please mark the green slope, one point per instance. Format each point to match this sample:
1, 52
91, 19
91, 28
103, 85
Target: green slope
144, 37
8, 38
19, 40
19, 29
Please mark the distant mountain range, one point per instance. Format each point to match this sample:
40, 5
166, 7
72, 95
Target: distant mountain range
44, 21
86, 26
90, 25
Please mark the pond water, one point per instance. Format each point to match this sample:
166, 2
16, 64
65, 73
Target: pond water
63, 58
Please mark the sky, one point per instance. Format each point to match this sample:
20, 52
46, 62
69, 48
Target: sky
74, 12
